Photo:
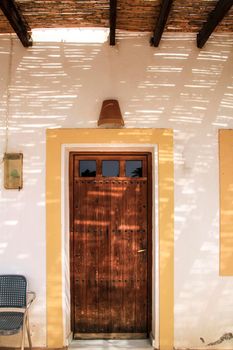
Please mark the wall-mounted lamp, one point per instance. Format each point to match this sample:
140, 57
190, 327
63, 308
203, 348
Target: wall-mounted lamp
110, 115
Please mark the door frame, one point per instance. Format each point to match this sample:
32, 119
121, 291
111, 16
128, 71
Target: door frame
57, 143
114, 153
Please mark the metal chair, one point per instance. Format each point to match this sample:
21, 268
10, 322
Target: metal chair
15, 301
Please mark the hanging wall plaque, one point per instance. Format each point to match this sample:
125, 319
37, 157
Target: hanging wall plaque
13, 171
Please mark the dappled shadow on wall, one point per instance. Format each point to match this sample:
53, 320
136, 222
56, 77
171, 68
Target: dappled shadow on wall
63, 84
181, 86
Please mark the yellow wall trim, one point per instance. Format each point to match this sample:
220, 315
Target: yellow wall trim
54, 140
226, 201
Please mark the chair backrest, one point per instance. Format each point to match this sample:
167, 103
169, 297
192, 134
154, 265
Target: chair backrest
13, 291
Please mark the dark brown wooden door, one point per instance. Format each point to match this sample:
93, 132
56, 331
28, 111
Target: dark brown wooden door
110, 245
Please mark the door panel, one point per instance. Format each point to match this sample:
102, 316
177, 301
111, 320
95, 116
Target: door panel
110, 250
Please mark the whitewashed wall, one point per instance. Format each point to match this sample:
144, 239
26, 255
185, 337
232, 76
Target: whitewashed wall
174, 86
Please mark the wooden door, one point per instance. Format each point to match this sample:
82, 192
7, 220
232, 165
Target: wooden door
110, 245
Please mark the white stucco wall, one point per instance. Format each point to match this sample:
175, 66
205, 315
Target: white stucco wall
174, 86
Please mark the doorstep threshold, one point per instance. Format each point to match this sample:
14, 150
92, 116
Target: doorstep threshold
111, 344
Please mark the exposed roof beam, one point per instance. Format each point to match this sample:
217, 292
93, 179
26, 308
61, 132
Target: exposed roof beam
112, 20
221, 9
161, 22
20, 26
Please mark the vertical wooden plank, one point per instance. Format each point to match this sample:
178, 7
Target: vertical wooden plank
116, 257
122, 243
72, 259
104, 256
91, 231
80, 258
129, 262
125, 261
86, 296
141, 294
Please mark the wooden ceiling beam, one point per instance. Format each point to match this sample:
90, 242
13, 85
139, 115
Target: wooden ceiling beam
112, 20
16, 20
161, 22
215, 16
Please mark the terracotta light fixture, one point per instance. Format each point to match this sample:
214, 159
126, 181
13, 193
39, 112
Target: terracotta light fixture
110, 115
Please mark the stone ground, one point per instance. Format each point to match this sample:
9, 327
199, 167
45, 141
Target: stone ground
143, 344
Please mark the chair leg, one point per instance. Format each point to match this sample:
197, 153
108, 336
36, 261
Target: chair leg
29, 335
23, 336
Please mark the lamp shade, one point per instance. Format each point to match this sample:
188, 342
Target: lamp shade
110, 115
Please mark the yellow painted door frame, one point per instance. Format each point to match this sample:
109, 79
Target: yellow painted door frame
163, 138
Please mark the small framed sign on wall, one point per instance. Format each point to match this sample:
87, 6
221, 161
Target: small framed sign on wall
13, 171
